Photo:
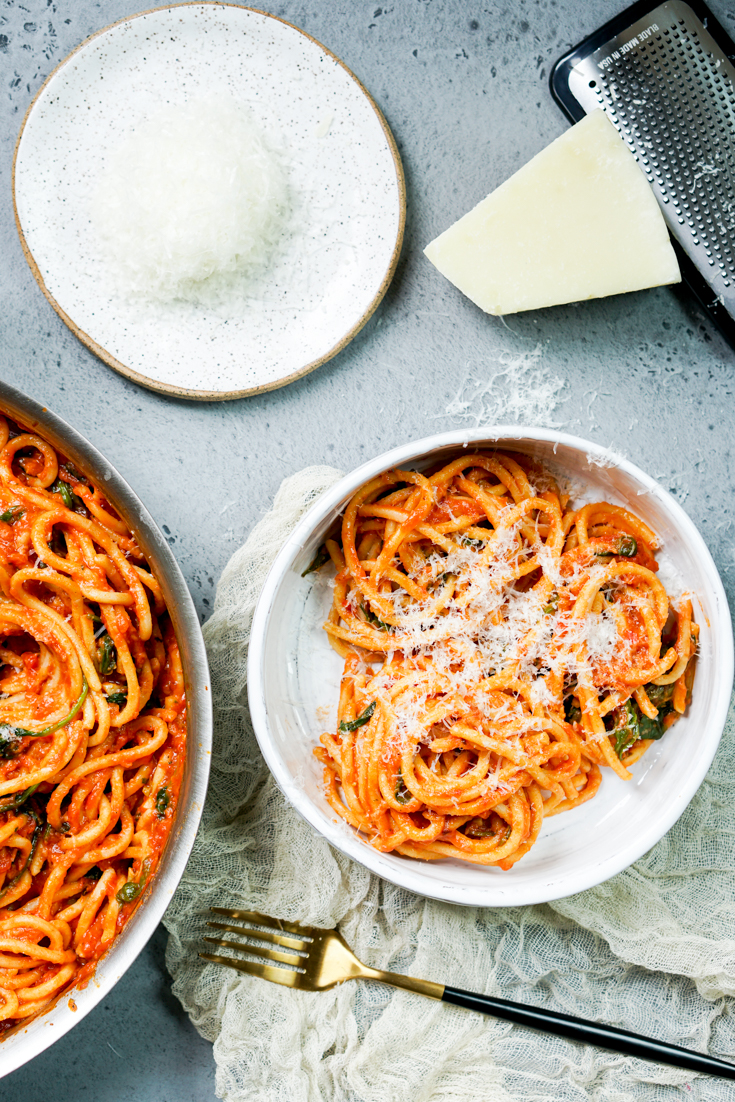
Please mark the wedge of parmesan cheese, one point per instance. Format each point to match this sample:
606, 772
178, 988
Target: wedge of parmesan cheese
578, 221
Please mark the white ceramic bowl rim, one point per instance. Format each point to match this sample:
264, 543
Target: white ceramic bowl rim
410, 875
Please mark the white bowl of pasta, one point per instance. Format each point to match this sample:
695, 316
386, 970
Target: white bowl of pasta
105, 727
492, 668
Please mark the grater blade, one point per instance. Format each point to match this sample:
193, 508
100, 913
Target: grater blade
668, 86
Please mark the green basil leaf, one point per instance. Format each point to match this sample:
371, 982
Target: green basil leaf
626, 729
631, 725
11, 515
373, 619
17, 801
106, 655
572, 710
318, 561
70, 499
11, 735
627, 547
553, 604
163, 799
653, 728
361, 720
34, 845
659, 695
478, 828
128, 892
64, 489
401, 793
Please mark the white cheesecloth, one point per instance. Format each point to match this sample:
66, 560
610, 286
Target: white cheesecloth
652, 950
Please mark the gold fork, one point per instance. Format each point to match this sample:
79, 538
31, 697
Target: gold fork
317, 959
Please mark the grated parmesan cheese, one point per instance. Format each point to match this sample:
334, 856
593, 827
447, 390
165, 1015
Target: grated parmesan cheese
521, 391
513, 632
191, 205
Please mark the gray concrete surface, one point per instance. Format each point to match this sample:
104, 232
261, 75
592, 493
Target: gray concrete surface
463, 84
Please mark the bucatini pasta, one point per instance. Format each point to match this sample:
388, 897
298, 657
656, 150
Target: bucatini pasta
92, 724
499, 647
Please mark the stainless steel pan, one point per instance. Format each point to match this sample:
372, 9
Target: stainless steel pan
26, 1042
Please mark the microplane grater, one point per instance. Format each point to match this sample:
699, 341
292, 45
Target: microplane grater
665, 77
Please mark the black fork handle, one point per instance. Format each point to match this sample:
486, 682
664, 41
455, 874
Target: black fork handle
591, 1033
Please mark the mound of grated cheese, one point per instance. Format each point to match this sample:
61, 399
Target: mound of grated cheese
193, 201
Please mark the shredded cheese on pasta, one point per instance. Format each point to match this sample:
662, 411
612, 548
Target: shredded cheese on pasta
499, 647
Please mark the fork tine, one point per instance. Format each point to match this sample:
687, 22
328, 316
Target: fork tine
286, 940
263, 920
258, 951
285, 976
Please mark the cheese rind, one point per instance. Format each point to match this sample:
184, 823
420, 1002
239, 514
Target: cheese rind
578, 221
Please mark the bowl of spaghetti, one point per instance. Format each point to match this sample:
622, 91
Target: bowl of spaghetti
105, 727
492, 669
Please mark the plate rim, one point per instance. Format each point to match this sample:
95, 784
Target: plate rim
497, 893
171, 389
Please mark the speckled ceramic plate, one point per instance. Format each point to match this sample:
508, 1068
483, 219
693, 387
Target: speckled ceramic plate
344, 175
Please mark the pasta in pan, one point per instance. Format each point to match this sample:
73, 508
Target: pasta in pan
499, 648
92, 724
